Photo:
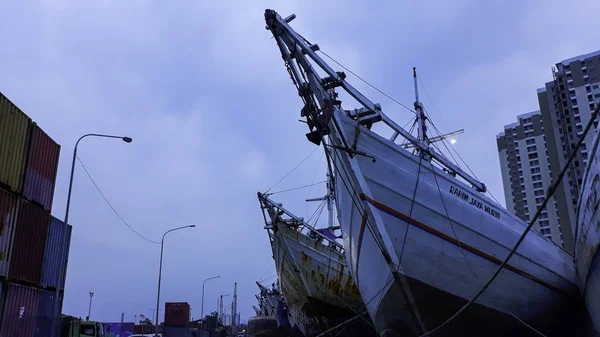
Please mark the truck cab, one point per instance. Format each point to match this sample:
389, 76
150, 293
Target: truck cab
81, 328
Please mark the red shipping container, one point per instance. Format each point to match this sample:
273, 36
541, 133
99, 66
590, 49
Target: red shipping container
41, 168
20, 311
177, 313
27, 252
8, 212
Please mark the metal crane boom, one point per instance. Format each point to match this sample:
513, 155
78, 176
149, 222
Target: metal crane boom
320, 99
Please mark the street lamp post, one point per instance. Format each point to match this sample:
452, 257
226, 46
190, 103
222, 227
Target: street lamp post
160, 266
90, 308
202, 310
63, 253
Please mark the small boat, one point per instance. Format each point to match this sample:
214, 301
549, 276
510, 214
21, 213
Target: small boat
420, 236
315, 282
587, 237
272, 303
269, 321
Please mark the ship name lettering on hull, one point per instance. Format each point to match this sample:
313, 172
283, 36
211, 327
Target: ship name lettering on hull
474, 202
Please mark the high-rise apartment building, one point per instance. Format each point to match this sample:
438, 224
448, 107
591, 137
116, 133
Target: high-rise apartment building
566, 105
526, 173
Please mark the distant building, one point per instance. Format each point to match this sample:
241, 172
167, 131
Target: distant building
566, 104
526, 174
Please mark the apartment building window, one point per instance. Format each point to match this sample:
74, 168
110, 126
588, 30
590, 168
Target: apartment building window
535, 162
531, 148
538, 193
595, 86
546, 232
543, 215
528, 128
530, 141
538, 185
533, 155
577, 119
536, 177
579, 128
539, 200
535, 170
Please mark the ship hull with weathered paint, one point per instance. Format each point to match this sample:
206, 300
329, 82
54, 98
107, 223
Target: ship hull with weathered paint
448, 240
587, 254
316, 285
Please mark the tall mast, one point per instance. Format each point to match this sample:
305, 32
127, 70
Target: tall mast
421, 119
329, 197
329, 201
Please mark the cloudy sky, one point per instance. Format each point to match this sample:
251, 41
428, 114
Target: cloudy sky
201, 88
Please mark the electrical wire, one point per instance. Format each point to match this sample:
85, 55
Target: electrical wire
111, 206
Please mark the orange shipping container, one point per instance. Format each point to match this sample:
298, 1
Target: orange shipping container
14, 128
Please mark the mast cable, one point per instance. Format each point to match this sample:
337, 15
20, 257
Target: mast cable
367, 83
298, 188
462, 250
551, 190
280, 180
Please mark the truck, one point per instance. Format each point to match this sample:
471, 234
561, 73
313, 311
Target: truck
76, 327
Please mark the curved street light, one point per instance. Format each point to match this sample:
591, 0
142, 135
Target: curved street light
63, 253
162, 242
202, 310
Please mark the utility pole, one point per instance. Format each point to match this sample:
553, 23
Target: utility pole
90, 308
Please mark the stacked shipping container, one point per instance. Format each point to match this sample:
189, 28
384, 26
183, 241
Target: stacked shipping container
177, 314
31, 240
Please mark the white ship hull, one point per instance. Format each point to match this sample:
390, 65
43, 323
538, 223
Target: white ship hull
315, 283
434, 279
587, 242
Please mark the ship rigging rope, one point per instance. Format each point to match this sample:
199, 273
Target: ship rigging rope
411, 110
317, 210
313, 180
367, 83
551, 190
527, 325
444, 141
359, 314
412, 205
290, 172
450, 221
111, 206
354, 197
298, 188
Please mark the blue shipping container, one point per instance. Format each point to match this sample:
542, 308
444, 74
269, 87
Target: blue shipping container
45, 318
55, 243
